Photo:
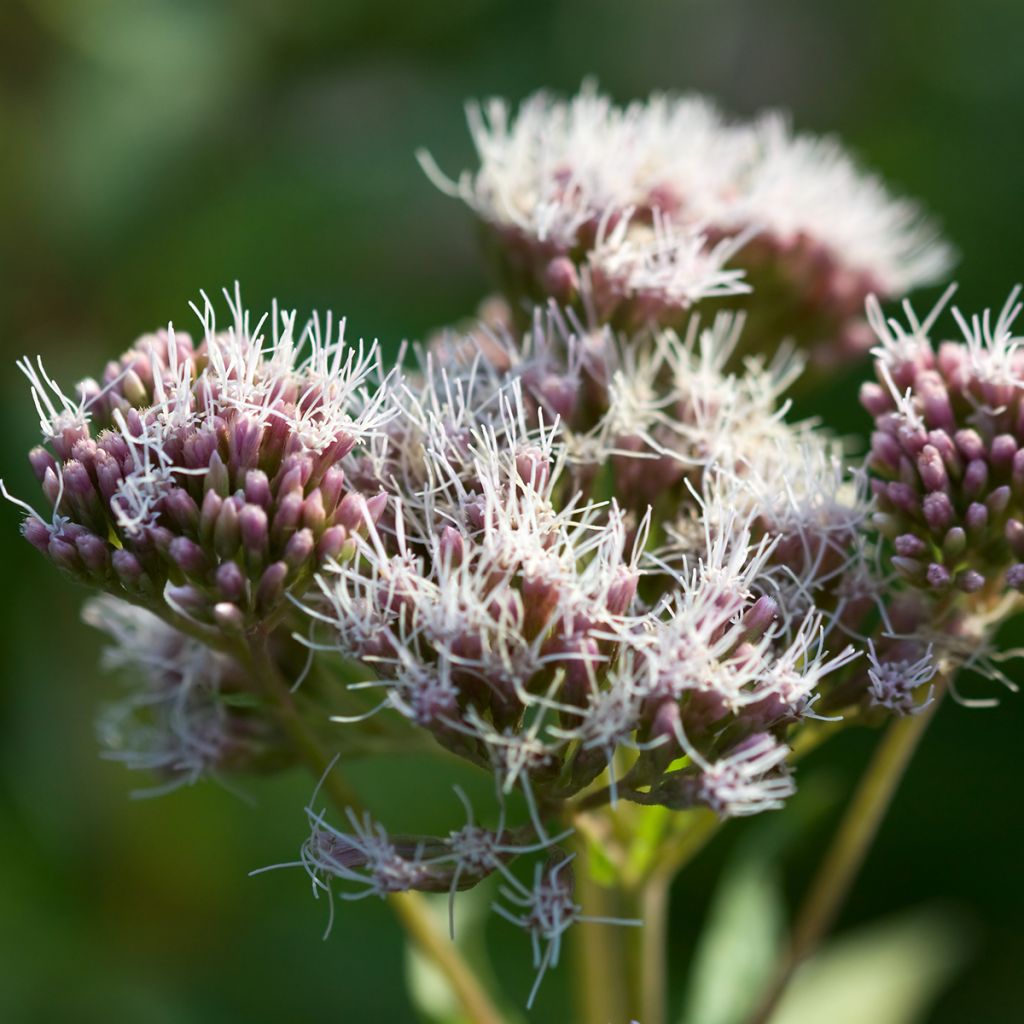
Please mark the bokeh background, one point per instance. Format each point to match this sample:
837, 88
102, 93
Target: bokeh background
150, 149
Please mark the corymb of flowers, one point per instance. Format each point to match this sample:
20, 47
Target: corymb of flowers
578, 542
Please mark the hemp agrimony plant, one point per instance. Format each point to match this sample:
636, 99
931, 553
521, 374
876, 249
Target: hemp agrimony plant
576, 542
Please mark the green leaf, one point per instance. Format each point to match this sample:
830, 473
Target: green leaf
740, 943
886, 973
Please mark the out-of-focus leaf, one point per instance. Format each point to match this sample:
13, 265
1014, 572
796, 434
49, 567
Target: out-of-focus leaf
889, 973
739, 944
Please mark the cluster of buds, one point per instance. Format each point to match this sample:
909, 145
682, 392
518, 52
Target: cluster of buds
636, 213
207, 476
947, 454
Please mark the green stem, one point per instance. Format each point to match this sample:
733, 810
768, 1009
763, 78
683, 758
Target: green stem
857, 830
648, 948
410, 908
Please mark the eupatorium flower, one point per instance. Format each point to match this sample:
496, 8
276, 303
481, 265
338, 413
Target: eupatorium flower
646, 209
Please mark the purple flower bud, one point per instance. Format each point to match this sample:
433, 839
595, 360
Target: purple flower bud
375, 506
1001, 453
998, 501
127, 567
244, 440
885, 451
313, 514
450, 546
1014, 533
64, 555
943, 444
561, 281
94, 552
970, 444
975, 478
622, 591
257, 488
352, 512
188, 598
181, 508
41, 460
51, 487
230, 580
299, 547
932, 469
208, 515
910, 546
976, 519
271, 587
252, 522
189, 556
37, 533
331, 543
875, 399
937, 575
938, 510
227, 533
331, 486
217, 480
1015, 577
758, 618
969, 581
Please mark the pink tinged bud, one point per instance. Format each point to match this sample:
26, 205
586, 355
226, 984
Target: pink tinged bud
666, 722
160, 537
954, 543
622, 591
108, 474
271, 587
908, 471
208, 516
938, 510
257, 488
199, 449
1015, 577
41, 460
975, 478
969, 581
532, 467
932, 469
1014, 532
937, 576
313, 514
252, 522
352, 512
976, 519
1001, 453
938, 413
375, 506
230, 581
182, 510
875, 399
910, 546
943, 444
229, 617
227, 533
217, 480
904, 497
561, 281
1017, 472
37, 533
127, 567
758, 618
188, 556
998, 501
51, 487
299, 547
332, 543
94, 552
244, 440
450, 546
287, 516
331, 486
970, 444
64, 555
885, 451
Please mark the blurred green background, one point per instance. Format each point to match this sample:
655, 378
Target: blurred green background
150, 149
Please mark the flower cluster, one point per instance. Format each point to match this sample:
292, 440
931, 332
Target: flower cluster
207, 475
648, 208
948, 453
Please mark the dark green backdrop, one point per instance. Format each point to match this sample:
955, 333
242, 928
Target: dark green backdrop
153, 148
